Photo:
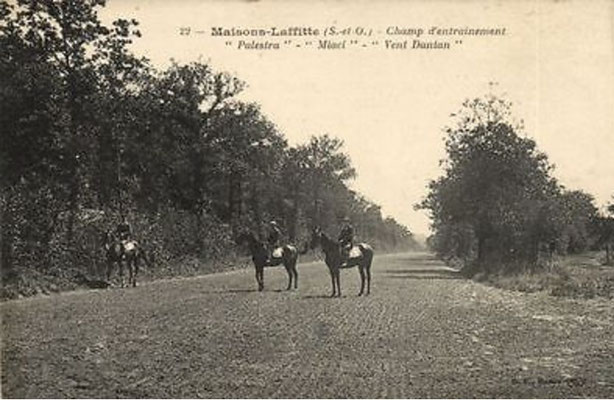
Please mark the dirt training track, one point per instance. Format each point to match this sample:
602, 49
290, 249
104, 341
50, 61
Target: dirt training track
422, 332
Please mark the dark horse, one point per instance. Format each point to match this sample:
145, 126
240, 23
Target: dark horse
258, 250
129, 252
334, 260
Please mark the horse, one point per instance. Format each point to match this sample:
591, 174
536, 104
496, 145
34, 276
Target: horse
334, 260
129, 251
260, 257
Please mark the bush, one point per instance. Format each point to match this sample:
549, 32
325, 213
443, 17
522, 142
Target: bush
572, 276
42, 258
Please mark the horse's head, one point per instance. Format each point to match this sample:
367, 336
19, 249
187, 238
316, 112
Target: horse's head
316, 236
244, 236
240, 238
108, 239
329, 245
256, 247
112, 246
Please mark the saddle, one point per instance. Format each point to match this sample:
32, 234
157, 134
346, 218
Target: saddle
129, 245
348, 253
277, 252
354, 252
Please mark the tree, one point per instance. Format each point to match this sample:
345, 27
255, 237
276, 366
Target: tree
496, 185
63, 42
324, 165
91, 131
120, 81
579, 212
248, 154
604, 227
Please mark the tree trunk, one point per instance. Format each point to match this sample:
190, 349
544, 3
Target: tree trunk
73, 198
234, 197
293, 231
5, 239
256, 207
481, 250
316, 203
533, 255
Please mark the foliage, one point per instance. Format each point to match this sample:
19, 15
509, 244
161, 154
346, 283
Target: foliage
89, 128
603, 229
497, 202
577, 276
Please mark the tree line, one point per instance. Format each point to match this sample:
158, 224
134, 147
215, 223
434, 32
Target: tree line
91, 130
498, 206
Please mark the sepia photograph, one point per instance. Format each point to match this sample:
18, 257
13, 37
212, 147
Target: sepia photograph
306, 199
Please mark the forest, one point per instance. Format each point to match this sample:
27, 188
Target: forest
498, 207
91, 131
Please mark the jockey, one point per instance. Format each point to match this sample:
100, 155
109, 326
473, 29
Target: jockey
275, 235
346, 238
124, 230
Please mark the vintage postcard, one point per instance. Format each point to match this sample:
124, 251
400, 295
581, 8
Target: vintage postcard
307, 199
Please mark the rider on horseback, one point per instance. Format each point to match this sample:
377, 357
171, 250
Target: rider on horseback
275, 235
124, 232
346, 239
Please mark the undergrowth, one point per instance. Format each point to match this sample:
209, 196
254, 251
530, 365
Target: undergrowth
576, 276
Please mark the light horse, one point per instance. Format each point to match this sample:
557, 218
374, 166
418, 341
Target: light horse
117, 253
258, 250
334, 260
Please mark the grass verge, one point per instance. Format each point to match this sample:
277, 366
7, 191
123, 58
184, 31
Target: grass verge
576, 276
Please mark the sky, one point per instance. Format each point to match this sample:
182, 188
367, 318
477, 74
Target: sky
555, 63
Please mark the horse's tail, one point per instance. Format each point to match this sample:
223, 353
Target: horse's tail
149, 259
291, 253
367, 252
304, 250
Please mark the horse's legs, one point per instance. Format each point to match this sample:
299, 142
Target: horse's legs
121, 272
129, 268
332, 277
136, 271
362, 279
132, 265
260, 277
295, 275
338, 277
368, 268
289, 271
109, 269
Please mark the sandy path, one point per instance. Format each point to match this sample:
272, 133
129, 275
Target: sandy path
423, 332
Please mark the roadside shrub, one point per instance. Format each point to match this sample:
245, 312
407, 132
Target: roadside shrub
586, 287
578, 276
44, 259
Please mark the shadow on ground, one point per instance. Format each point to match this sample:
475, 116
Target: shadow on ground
236, 291
246, 291
422, 259
328, 296
425, 273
